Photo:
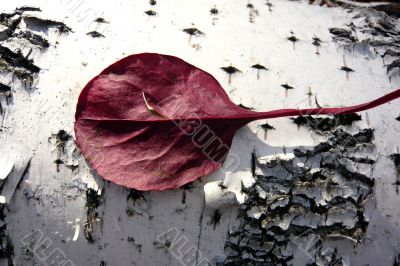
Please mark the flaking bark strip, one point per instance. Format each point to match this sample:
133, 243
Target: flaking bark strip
289, 202
93, 201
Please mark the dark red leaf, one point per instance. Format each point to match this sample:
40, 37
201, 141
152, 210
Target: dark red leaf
154, 122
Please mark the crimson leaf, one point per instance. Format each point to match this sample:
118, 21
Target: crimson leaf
155, 122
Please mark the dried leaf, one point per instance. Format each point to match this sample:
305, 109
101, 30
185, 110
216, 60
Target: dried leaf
186, 137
